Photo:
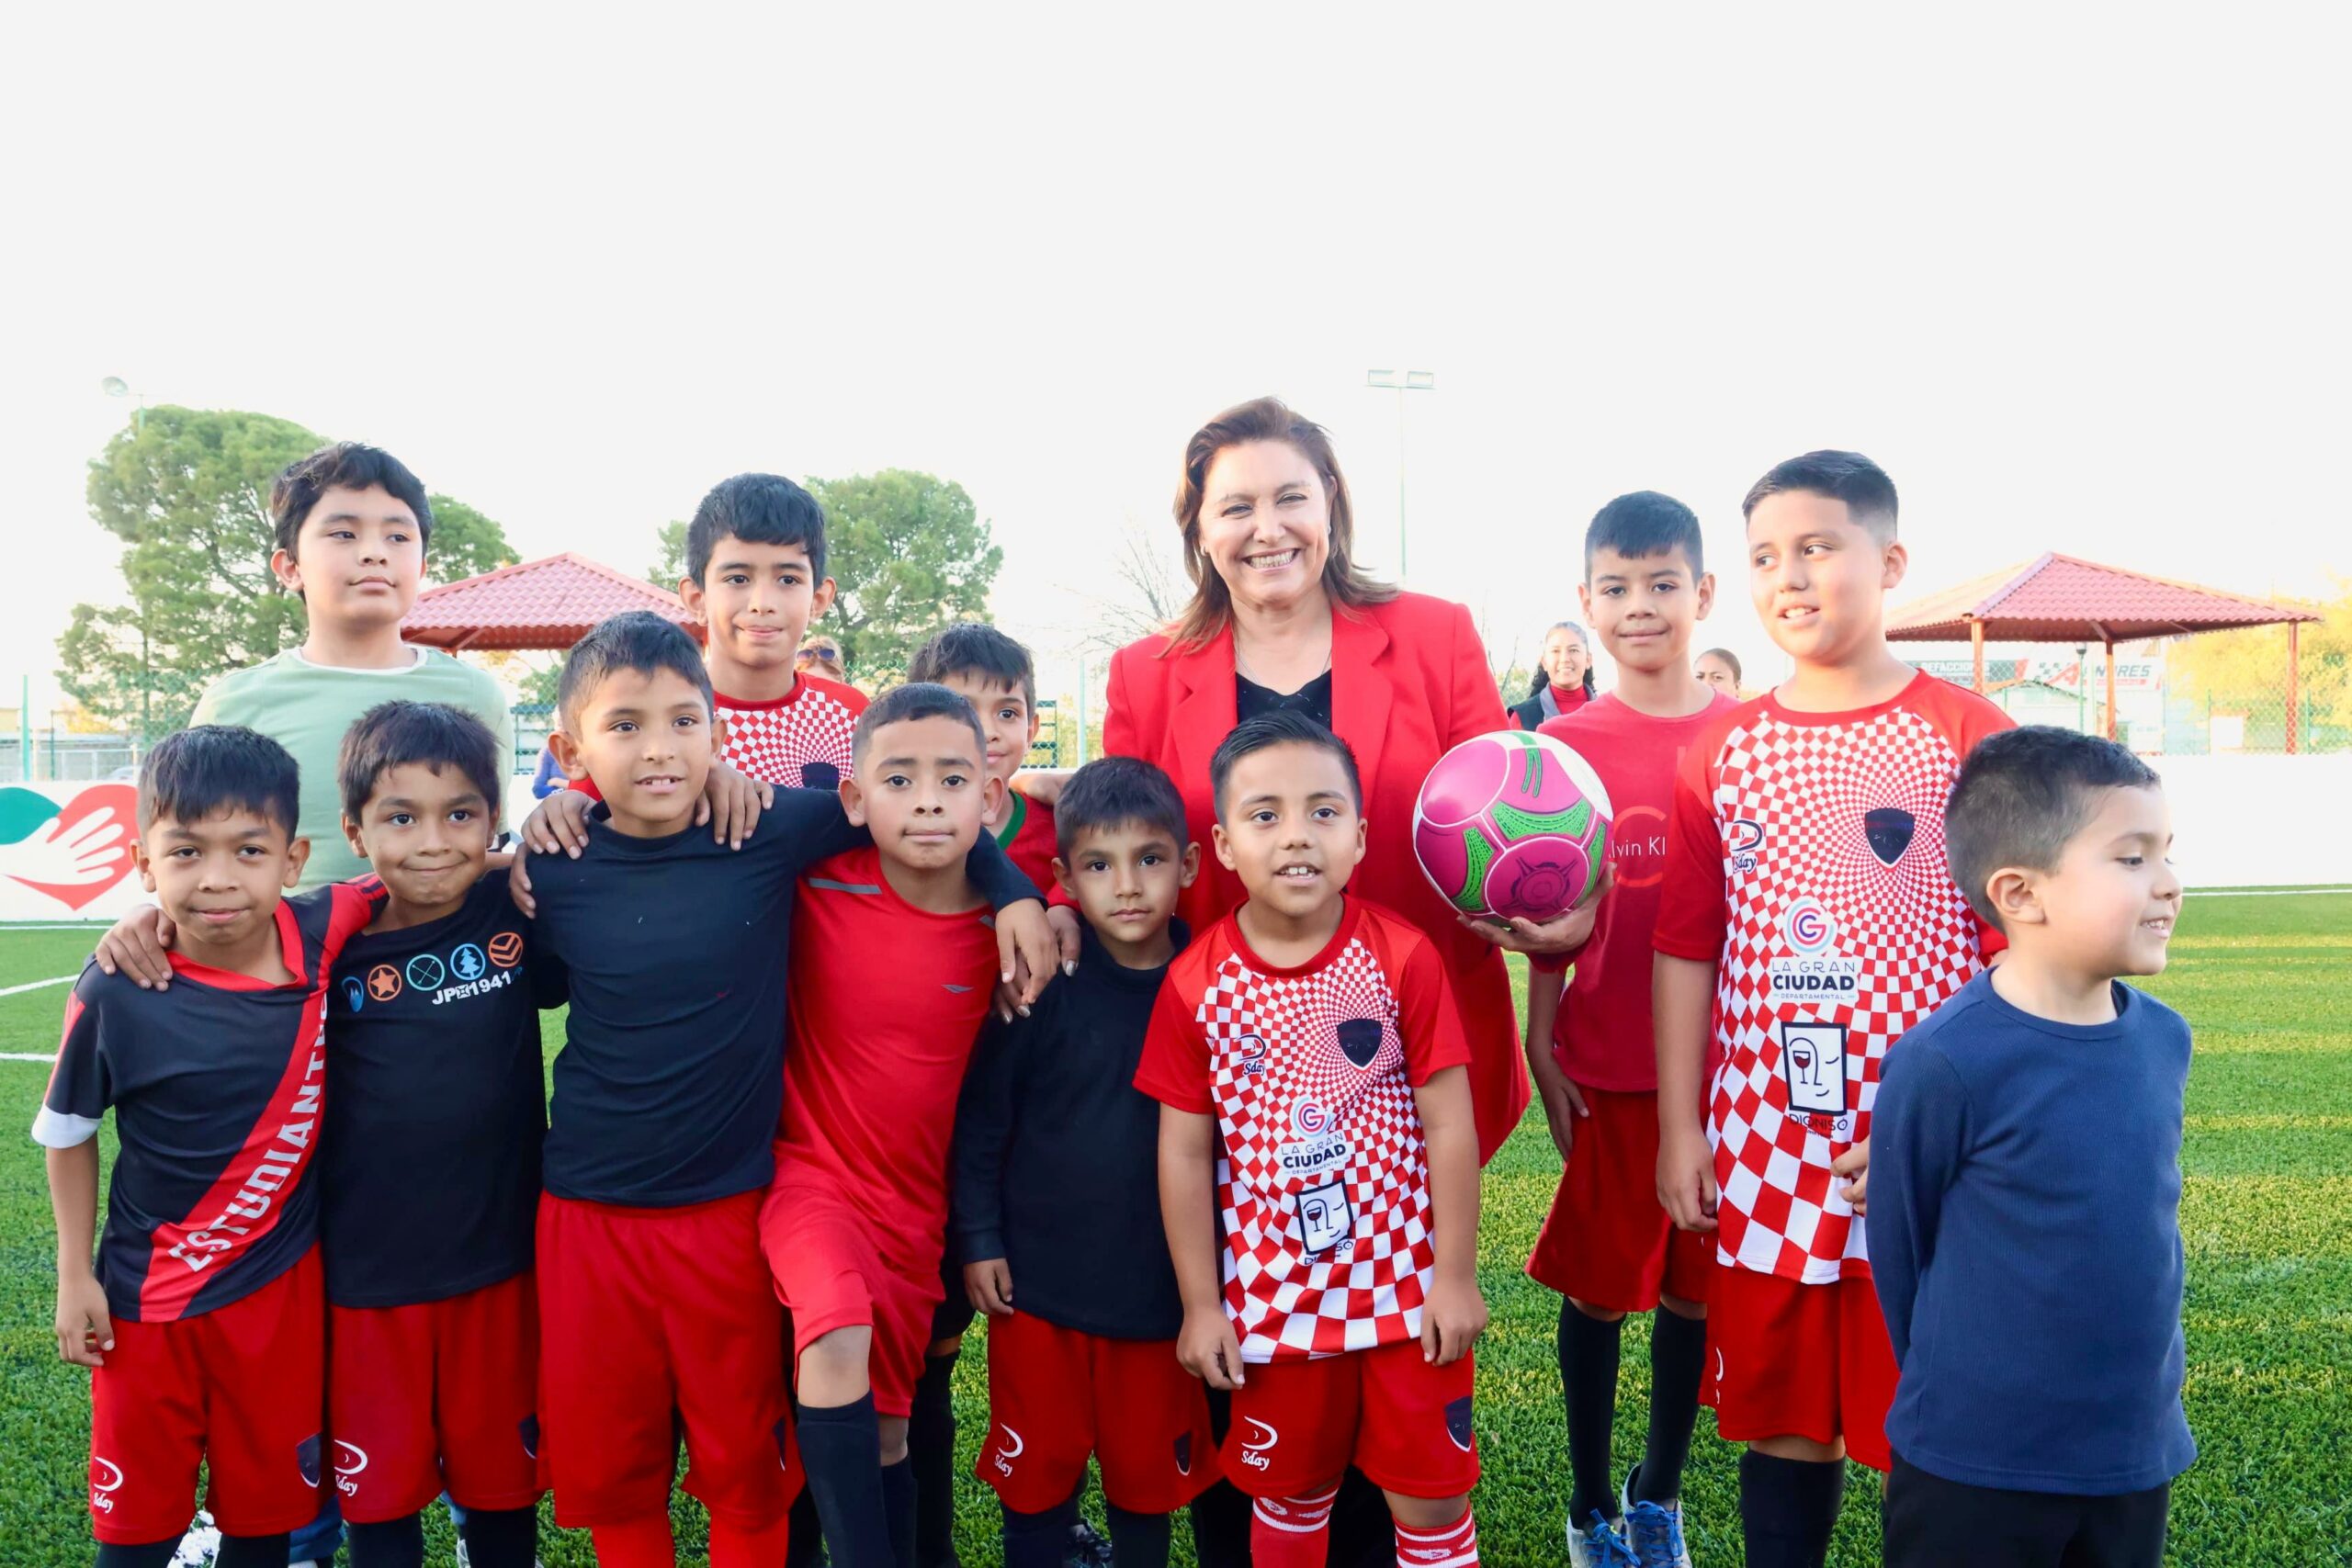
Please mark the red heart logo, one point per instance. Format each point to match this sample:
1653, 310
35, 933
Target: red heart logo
91, 812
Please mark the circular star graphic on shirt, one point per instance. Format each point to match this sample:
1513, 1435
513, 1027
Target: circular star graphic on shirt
383, 982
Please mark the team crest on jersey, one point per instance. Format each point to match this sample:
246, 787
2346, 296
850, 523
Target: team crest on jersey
1359, 1040
819, 775
1253, 1056
1812, 1061
1889, 830
1743, 836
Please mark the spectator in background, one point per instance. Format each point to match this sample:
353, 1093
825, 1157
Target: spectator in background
1719, 668
821, 656
549, 777
1563, 680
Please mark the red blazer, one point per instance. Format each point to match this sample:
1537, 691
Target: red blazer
1409, 681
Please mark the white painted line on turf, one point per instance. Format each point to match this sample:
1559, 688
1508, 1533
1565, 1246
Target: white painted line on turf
2261, 891
39, 985
24, 1056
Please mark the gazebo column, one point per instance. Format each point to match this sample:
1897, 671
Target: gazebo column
2294, 661
1976, 652
2111, 688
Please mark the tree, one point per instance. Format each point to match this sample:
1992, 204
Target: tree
2245, 673
1150, 588
670, 563
911, 554
187, 492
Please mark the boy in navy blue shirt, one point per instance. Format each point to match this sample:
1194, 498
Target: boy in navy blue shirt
2024, 1189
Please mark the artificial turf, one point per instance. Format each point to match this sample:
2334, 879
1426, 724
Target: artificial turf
2267, 1215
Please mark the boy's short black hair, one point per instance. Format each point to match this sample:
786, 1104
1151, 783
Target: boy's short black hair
1283, 726
208, 769
1848, 477
916, 699
1117, 792
973, 647
634, 639
762, 509
394, 735
2022, 795
352, 467
1645, 524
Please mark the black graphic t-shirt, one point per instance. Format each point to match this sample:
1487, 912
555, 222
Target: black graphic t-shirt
670, 1079
435, 1108
216, 1084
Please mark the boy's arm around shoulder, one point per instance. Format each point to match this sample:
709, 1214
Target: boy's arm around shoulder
1920, 1129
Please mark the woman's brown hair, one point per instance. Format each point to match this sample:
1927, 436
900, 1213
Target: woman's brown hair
1261, 418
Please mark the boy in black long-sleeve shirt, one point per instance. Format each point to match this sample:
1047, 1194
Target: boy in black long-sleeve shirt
654, 1296
1056, 1201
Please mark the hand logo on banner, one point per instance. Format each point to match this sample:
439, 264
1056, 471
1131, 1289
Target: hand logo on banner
72, 853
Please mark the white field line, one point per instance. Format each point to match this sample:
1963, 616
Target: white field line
39, 985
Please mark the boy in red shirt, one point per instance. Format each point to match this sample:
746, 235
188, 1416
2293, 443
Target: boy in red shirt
1807, 920
1606, 1246
1314, 1092
201, 1314
995, 673
896, 970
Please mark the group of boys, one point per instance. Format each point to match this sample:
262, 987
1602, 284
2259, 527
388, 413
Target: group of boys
1228, 1169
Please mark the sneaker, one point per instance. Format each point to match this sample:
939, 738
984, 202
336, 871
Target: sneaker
1598, 1545
1086, 1548
1655, 1529
200, 1545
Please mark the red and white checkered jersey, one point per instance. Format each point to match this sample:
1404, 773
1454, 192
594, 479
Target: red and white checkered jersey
1322, 1168
778, 740
1805, 859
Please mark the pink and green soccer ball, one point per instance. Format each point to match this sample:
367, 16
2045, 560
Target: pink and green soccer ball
1513, 824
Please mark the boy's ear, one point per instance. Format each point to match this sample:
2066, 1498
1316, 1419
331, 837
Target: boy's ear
994, 798
146, 867
351, 832
1706, 590
567, 754
691, 592
1898, 561
1584, 601
2015, 893
1224, 847
288, 570
820, 598
717, 731
1035, 719
1061, 876
1191, 865
852, 802
297, 855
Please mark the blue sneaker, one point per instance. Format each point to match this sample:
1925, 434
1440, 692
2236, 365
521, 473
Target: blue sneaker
1655, 1530
1598, 1545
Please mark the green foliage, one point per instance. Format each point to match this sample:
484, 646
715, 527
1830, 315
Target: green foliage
670, 557
911, 554
188, 493
2266, 1216
2245, 673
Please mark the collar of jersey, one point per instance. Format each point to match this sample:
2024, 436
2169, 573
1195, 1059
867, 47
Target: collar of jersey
289, 948
1095, 960
800, 688
1910, 692
1350, 913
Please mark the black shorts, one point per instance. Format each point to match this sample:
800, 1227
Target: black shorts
1929, 1522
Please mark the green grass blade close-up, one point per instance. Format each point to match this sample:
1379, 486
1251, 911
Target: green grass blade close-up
2266, 1214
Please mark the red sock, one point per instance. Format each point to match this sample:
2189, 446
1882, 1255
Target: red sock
1291, 1532
1455, 1546
641, 1542
737, 1546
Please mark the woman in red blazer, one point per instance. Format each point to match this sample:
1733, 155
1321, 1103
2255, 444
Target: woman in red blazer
1281, 617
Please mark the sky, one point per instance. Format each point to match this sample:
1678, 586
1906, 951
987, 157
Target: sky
2074, 275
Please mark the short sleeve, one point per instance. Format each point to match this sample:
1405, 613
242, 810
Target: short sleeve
1427, 1023
1174, 1069
208, 707
1691, 916
81, 1086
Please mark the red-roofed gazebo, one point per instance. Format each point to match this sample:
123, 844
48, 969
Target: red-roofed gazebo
2057, 598
545, 603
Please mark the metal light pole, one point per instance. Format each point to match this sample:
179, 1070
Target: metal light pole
116, 387
1402, 382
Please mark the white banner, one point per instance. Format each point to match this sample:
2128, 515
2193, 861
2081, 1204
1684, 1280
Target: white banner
66, 850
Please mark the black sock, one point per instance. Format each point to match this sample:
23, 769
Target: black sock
500, 1538
151, 1554
391, 1543
841, 1448
1138, 1540
1038, 1541
1677, 1360
1589, 1387
931, 1446
808, 1547
1788, 1509
899, 1509
253, 1551
1221, 1526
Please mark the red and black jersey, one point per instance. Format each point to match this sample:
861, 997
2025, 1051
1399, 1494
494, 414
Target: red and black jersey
429, 1182
1026, 836
217, 1084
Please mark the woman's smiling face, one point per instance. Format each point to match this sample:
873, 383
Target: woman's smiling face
1564, 659
1266, 525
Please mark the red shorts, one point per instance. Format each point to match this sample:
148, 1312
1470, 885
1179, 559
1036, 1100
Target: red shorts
650, 1320
1298, 1424
240, 1389
436, 1396
831, 1271
1790, 1360
1607, 1242
1057, 1395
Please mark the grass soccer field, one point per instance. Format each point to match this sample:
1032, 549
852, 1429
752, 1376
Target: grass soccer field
2267, 1215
